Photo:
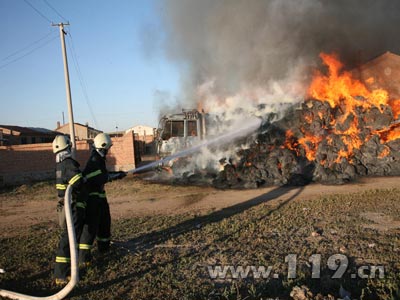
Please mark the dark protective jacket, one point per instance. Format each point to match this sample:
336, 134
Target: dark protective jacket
96, 173
68, 172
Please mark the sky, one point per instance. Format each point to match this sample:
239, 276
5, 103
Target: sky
117, 75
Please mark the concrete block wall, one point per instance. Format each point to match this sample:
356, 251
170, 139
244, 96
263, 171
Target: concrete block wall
21, 164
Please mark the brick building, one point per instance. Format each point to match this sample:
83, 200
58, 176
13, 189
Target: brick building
82, 132
17, 135
381, 72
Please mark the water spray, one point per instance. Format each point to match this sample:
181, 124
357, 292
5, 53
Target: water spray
238, 131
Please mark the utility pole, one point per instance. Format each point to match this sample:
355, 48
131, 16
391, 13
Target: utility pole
67, 86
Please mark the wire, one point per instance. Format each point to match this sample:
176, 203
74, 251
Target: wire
81, 79
39, 13
48, 4
28, 46
28, 53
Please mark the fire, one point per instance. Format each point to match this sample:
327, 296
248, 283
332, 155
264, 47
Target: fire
290, 142
385, 152
370, 80
395, 104
308, 119
310, 144
390, 134
348, 98
339, 87
341, 154
394, 134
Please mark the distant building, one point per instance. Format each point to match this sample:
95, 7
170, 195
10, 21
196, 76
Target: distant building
143, 131
146, 136
17, 135
381, 72
82, 132
116, 134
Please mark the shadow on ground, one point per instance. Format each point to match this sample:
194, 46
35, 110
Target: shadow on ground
148, 241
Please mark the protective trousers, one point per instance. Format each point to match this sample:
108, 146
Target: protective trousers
104, 227
97, 226
63, 257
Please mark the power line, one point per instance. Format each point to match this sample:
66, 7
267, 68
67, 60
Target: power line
28, 46
39, 13
81, 79
48, 4
28, 53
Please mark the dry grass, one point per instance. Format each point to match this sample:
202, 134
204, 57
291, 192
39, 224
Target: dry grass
166, 257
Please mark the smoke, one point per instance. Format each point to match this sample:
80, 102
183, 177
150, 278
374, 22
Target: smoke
241, 58
270, 45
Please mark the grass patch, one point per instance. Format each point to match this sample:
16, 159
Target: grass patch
166, 257
44, 190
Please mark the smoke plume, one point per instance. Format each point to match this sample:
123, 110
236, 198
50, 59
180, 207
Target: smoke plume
262, 50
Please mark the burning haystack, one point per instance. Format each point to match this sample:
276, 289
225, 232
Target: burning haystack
342, 131
242, 59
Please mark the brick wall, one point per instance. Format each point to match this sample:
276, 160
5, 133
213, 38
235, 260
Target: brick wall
145, 138
28, 163
122, 154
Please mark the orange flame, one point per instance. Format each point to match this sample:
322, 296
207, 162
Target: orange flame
290, 142
339, 87
347, 95
341, 154
370, 80
310, 144
395, 104
390, 134
385, 152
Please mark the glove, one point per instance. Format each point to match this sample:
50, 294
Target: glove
121, 175
117, 175
61, 213
60, 204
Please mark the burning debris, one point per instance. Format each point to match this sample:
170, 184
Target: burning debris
342, 132
239, 56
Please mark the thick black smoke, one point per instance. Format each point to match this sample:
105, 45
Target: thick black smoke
241, 45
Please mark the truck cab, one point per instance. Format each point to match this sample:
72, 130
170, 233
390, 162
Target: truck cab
180, 131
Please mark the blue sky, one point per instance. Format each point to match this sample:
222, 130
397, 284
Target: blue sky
117, 45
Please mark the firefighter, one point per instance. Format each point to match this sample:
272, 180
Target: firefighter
68, 173
97, 176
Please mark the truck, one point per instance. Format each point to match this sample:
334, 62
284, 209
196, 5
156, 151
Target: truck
180, 131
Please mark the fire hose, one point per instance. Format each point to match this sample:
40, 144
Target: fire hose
74, 260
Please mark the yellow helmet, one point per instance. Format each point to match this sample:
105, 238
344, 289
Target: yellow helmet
61, 142
102, 141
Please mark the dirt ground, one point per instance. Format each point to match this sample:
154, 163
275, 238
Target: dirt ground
19, 211
165, 238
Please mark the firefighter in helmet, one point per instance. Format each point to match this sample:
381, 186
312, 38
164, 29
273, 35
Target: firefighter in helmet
68, 173
97, 176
